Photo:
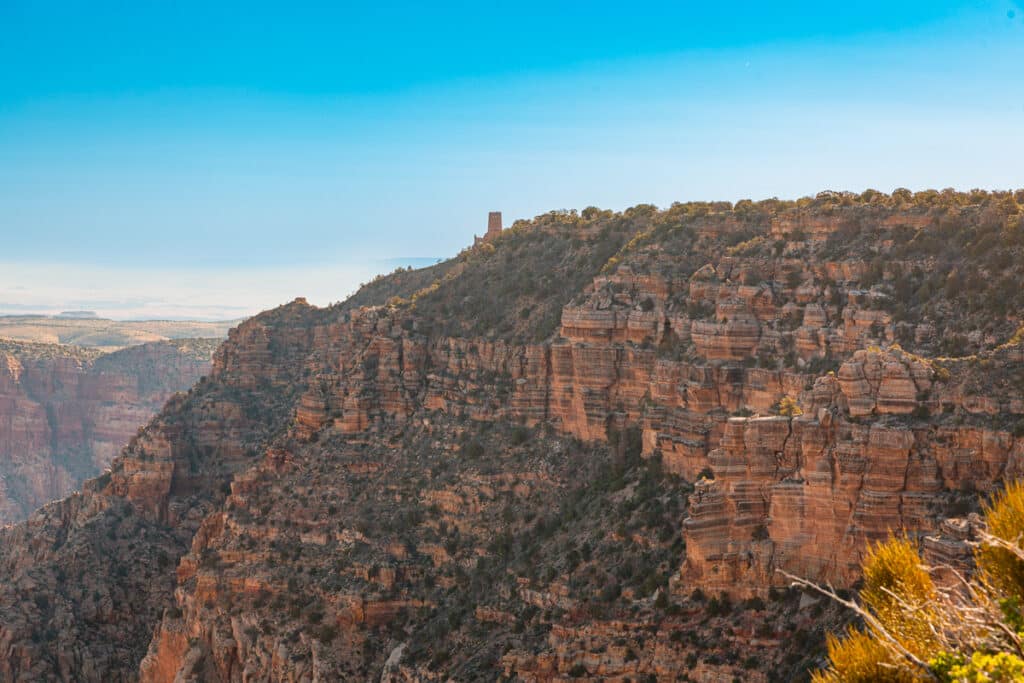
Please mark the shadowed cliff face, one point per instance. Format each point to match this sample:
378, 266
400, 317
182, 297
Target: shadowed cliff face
65, 412
440, 482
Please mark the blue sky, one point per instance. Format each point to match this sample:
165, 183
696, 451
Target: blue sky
213, 159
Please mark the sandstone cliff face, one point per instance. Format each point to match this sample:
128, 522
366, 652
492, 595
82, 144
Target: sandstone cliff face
66, 412
408, 489
86, 579
802, 494
332, 555
877, 452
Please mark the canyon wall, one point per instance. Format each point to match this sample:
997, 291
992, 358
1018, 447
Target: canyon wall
882, 445
422, 487
65, 412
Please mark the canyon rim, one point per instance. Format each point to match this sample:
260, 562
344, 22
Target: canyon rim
582, 448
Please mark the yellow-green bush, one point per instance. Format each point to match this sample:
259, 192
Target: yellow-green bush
900, 592
954, 635
861, 658
788, 407
1000, 567
980, 667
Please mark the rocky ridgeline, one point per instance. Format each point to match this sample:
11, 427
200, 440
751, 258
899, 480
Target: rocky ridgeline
880, 444
358, 491
65, 412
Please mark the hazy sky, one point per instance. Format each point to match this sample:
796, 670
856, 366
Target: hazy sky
214, 159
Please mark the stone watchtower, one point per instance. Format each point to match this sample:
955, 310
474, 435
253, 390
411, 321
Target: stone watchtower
493, 225
493, 228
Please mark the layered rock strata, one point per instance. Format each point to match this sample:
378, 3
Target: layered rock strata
357, 491
65, 412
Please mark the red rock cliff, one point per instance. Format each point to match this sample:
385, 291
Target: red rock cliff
357, 490
66, 412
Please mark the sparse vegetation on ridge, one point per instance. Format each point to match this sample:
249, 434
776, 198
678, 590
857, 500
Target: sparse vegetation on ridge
352, 486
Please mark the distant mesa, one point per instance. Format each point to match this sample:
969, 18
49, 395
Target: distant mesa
88, 329
493, 228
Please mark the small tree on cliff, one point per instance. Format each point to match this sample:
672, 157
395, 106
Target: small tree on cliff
788, 407
917, 629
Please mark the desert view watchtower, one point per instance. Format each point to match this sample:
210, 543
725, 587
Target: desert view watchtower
493, 228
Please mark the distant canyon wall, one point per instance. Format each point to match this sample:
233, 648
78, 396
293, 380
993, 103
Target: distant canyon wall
66, 412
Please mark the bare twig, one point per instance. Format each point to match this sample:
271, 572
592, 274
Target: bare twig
871, 620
